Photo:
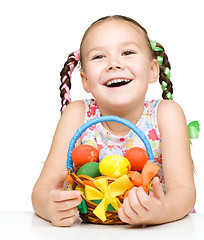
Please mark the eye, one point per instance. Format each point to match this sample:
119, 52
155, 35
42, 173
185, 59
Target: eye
128, 52
100, 56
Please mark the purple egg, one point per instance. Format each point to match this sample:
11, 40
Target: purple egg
109, 150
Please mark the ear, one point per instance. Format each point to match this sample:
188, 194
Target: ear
84, 82
154, 71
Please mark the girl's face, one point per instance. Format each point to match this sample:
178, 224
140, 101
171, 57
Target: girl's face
117, 64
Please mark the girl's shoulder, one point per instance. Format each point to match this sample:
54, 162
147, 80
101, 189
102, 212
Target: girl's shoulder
73, 114
170, 115
168, 107
75, 107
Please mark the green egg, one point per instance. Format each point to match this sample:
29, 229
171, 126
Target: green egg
90, 169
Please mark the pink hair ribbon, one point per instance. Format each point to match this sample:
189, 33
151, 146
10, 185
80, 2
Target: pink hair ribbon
74, 59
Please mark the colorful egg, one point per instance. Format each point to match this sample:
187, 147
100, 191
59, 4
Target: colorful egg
109, 150
114, 166
83, 154
137, 157
90, 169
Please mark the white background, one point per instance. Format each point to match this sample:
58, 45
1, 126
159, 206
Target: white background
36, 37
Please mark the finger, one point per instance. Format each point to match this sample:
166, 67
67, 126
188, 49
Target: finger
135, 203
68, 213
60, 181
68, 221
64, 222
127, 208
157, 188
143, 198
59, 215
123, 217
67, 205
60, 196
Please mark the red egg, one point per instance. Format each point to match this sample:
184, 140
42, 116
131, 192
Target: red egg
137, 157
83, 154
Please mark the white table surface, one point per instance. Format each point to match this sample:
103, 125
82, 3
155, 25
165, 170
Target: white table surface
26, 225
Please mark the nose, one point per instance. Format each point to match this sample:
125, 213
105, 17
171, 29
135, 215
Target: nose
114, 65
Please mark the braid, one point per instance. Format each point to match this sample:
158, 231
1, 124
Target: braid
65, 74
165, 67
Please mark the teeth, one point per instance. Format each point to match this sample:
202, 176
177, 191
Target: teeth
117, 81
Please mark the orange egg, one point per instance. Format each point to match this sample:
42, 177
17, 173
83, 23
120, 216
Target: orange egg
137, 157
83, 154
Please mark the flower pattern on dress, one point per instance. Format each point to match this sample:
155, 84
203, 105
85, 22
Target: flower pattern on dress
153, 135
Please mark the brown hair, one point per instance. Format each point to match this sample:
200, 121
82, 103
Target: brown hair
164, 77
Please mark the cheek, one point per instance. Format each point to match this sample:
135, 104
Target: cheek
93, 73
142, 70
91, 78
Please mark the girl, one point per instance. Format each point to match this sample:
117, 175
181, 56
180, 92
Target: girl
118, 61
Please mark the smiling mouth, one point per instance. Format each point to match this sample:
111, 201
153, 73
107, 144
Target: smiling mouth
118, 82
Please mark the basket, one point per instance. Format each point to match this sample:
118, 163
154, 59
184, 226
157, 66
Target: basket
111, 216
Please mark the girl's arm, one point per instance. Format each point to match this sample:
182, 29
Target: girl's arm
138, 208
48, 198
177, 161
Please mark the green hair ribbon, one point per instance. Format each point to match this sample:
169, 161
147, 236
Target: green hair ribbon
193, 130
164, 86
167, 72
169, 96
193, 127
154, 46
160, 60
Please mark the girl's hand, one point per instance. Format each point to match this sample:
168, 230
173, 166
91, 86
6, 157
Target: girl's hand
139, 208
62, 205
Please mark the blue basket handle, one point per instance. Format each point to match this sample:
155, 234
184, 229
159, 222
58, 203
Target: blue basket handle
106, 119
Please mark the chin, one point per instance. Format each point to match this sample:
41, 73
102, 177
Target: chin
120, 103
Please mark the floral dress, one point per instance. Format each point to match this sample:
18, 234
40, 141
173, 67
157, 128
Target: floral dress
99, 137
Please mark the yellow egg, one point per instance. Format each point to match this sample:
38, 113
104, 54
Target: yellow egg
114, 166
